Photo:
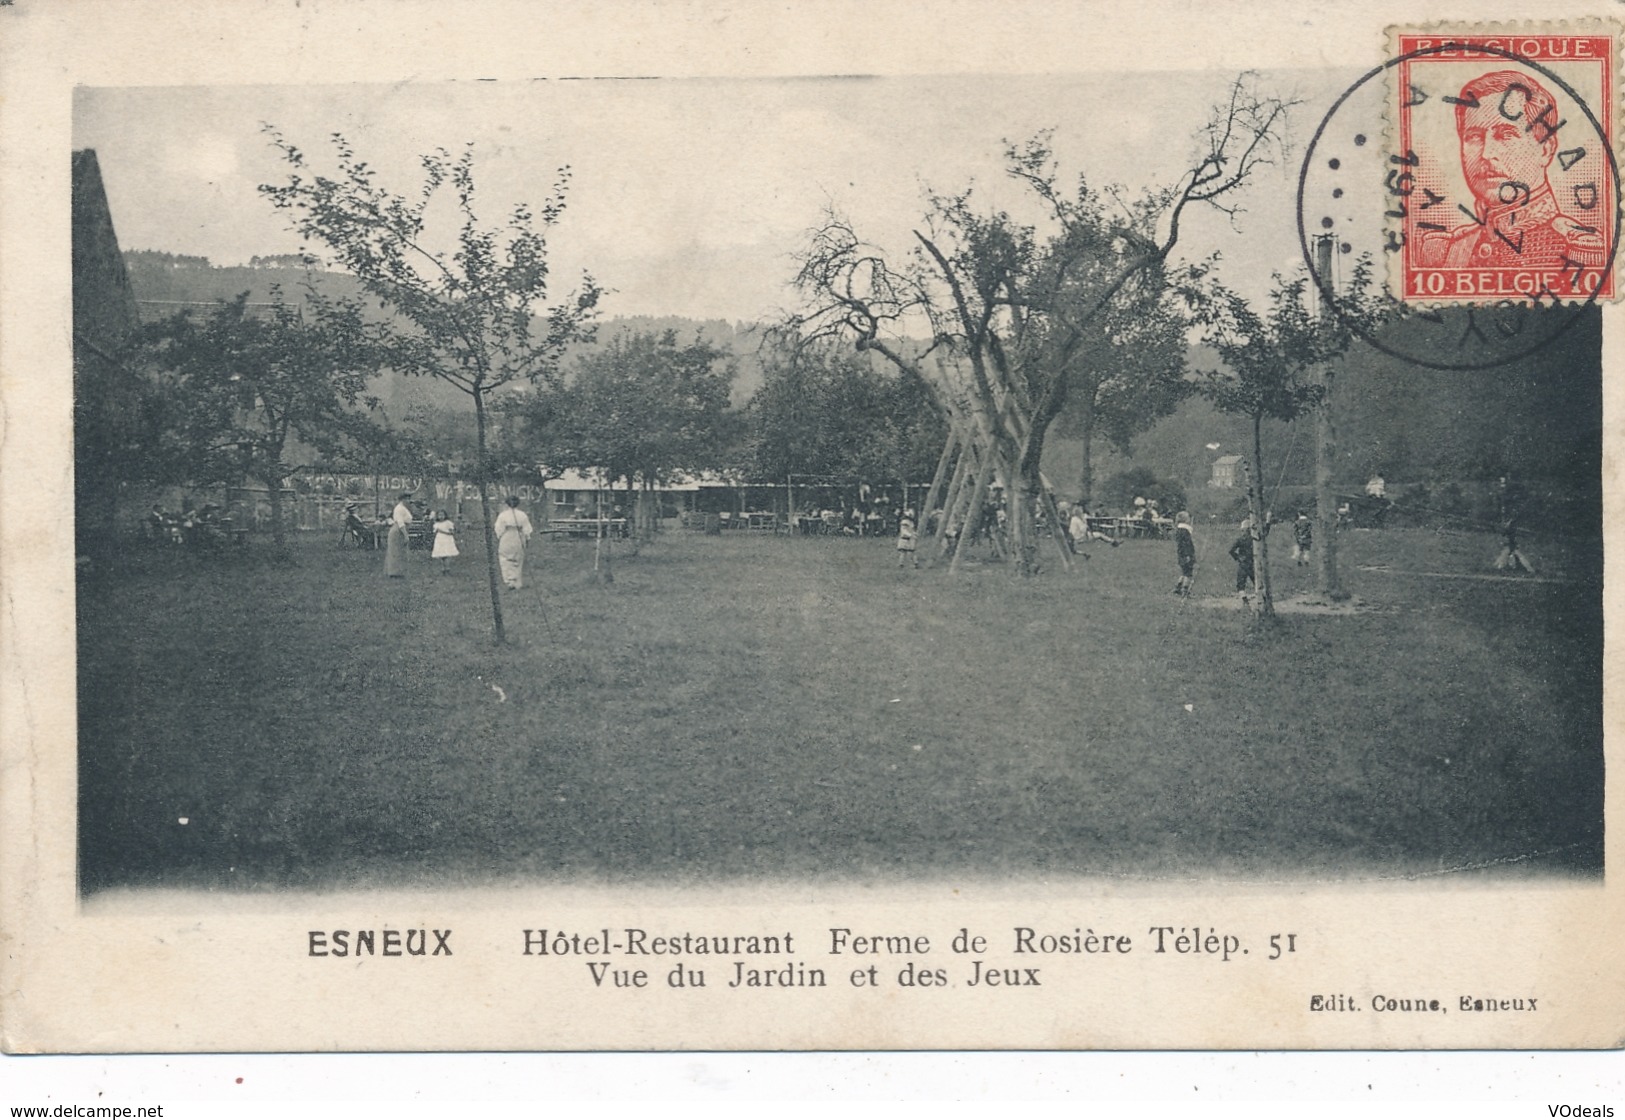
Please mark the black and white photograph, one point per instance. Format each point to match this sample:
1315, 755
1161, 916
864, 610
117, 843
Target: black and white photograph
619, 500
854, 507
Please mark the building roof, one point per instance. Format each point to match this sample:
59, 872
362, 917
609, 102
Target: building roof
104, 310
678, 483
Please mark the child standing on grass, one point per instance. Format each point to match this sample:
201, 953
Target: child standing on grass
1185, 553
1242, 553
445, 540
906, 540
1303, 538
1510, 556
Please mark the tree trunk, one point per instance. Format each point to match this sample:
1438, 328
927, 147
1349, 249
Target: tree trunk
483, 479
1021, 500
601, 570
1260, 529
645, 514
279, 536
1086, 475
1325, 542
1023, 523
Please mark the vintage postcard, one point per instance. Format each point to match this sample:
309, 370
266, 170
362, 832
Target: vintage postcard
691, 526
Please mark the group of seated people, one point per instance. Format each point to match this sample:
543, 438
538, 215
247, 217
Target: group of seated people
371, 532
1144, 519
854, 522
198, 527
1077, 524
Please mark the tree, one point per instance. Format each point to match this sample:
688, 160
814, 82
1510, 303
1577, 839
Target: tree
475, 315
1012, 307
827, 413
1127, 373
121, 435
441, 437
1359, 311
246, 384
1271, 368
639, 409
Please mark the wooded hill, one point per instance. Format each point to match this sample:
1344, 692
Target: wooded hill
1539, 417
165, 283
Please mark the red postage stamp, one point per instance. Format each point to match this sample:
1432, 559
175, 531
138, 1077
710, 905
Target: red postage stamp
1503, 184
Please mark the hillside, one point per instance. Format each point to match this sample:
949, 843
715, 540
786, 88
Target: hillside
1539, 418
166, 283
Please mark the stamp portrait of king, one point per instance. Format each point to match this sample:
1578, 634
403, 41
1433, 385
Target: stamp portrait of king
1508, 126
1501, 175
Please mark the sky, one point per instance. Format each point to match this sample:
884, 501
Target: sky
688, 196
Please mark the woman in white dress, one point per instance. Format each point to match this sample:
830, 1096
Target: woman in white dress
395, 550
513, 530
445, 540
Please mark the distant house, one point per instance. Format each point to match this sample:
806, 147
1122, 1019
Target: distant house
577, 494
1226, 472
574, 493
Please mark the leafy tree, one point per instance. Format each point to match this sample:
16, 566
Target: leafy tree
122, 434
1127, 371
240, 386
830, 414
1271, 362
476, 315
442, 438
1120, 490
639, 409
163, 259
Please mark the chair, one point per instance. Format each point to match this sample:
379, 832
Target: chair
364, 535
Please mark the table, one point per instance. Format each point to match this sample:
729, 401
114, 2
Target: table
1138, 527
586, 527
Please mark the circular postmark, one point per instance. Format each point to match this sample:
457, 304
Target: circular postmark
1492, 259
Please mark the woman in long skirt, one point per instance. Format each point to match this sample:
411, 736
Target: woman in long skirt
395, 549
513, 530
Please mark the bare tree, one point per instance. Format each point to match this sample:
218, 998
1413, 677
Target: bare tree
983, 288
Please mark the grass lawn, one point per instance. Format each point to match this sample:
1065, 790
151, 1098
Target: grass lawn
757, 707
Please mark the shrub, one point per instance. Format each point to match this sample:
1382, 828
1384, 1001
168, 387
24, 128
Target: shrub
1119, 491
